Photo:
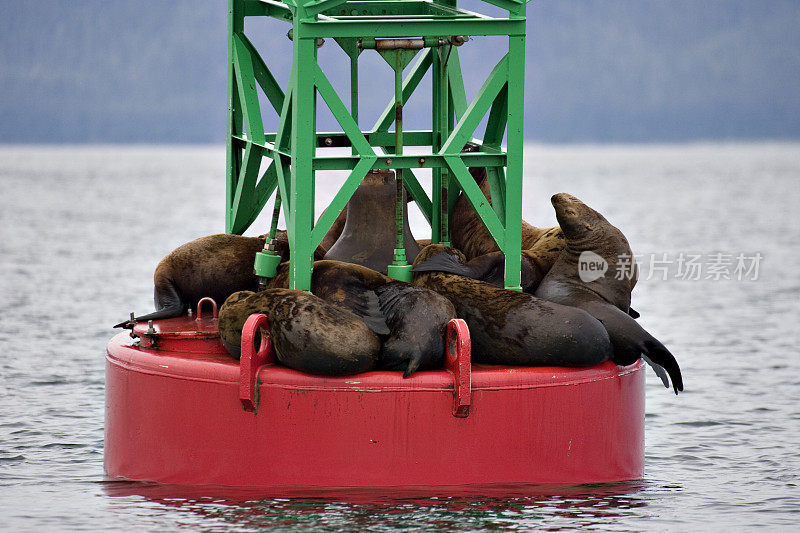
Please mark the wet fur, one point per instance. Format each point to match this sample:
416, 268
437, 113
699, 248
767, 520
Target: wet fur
471, 237
508, 327
417, 318
308, 333
215, 266
412, 319
368, 235
607, 298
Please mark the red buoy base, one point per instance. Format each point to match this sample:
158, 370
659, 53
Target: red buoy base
176, 417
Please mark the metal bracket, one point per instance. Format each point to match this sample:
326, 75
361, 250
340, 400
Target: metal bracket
252, 360
200, 308
458, 360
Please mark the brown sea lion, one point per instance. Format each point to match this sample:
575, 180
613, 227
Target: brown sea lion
514, 328
607, 295
416, 318
488, 267
334, 232
491, 269
215, 266
470, 236
368, 236
308, 333
336, 228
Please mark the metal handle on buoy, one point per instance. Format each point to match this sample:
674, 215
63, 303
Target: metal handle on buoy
200, 308
458, 360
252, 360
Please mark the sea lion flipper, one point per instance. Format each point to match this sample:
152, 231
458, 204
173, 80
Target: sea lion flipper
444, 262
168, 312
658, 369
168, 301
633, 313
366, 306
659, 355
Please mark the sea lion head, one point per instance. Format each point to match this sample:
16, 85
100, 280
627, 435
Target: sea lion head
577, 220
591, 237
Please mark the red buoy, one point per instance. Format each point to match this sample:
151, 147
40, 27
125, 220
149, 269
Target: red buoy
180, 410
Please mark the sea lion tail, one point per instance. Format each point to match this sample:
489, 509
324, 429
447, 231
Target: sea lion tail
169, 304
413, 365
444, 262
167, 312
658, 369
657, 355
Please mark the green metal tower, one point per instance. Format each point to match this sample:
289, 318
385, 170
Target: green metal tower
400, 30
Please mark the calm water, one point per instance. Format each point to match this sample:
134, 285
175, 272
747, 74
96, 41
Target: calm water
81, 229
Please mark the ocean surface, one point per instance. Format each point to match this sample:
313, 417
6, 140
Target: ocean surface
716, 228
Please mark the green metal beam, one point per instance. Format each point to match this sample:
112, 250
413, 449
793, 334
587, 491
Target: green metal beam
341, 114
458, 95
403, 27
412, 161
272, 90
478, 108
340, 200
516, 105
476, 198
293, 149
245, 82
409, 86
243, 200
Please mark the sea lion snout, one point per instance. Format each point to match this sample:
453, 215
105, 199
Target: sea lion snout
562, 198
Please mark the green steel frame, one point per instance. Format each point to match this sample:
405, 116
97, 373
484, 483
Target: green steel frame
292, 150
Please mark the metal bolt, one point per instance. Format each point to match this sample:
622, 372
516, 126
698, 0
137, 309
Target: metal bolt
388, 162
421, 161
150, 329
328, 141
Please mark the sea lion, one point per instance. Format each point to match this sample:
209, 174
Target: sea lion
515, 328
471, 237
334, 232
215, 266
488, 267
416, 318
308, 333
368, 236
607, 297
336, 228
491, 269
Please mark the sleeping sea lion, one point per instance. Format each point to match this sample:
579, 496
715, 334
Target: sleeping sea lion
515, 328
491, 269
416, 318
607, 297
215, 266
308, 333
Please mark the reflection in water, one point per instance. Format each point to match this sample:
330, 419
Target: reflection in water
549, 507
